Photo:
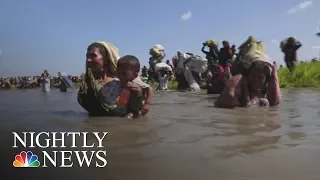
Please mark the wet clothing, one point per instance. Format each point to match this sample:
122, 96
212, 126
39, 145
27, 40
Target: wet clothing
63, 86
100, 99
256, 102
216, 79
45, 82
182, 82
136, 102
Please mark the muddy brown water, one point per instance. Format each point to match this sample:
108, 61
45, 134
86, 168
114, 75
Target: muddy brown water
183, 137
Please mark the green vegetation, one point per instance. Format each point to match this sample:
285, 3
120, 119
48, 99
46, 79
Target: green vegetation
305, 75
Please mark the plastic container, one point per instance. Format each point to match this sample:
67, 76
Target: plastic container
124, 97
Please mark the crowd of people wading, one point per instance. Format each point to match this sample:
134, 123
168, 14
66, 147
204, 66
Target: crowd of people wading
113, 85
189, 70
219, 64
31, 82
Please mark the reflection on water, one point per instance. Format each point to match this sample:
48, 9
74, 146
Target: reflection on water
184, 136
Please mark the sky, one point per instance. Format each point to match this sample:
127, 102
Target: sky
54, 34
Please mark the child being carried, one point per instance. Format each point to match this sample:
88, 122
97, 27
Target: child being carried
136, 94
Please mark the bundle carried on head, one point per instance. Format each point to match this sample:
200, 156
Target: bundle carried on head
289, 42
249, 41
211, 43
193, 62
113, 55
251, 49
157, 51
162, 67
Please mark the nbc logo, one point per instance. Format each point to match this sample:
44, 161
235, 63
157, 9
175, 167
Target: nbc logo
26, 160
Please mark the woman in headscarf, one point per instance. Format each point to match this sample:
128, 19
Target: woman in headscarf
259, 86
100, 90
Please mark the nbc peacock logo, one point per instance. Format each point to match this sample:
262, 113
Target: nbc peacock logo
26, 160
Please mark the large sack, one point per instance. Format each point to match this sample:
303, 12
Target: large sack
251, 49
162, 66
193, 62
157, 51
194, 86
249, 41
158, 46
290, 41
211, 43
248, 51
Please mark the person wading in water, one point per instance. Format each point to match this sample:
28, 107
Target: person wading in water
289, 48
225, 55
213, 54
45, 81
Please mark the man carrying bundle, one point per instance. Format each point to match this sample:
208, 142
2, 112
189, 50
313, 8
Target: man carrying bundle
157, 55
213, 55
289, 47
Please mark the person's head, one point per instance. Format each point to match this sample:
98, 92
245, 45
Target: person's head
291, 44
168, 61
97, 57
45, 73
233, 47
225, 44
128, 68
179, 54
258, 75
274, 63
101, 58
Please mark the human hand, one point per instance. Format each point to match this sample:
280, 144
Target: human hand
129, 116
145, 109
135, 88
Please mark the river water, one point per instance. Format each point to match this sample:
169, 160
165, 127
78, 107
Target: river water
183, 137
